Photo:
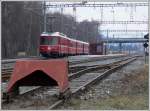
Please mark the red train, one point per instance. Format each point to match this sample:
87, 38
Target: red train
57, 44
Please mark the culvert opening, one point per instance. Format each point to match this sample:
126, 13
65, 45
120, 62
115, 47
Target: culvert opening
37, 78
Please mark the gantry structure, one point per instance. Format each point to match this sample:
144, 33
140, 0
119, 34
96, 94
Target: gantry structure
74, 5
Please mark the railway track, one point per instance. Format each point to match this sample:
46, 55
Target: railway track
7, 73
80, 80
89, 79
7, 66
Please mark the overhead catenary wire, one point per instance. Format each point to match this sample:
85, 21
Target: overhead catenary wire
96, 5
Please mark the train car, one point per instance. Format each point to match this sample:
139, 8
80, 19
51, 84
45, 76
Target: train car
57, 44
63, 45
86, 48
72, 47
97, 49
53, 44
79, 47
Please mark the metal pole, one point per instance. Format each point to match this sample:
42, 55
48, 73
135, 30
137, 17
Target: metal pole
107, 43
44, 7
74, 13
146, 57
120, 47
145, 54
61, 21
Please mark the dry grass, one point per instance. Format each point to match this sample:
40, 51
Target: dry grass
133, 95
123, 102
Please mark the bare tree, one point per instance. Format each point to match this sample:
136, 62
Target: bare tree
22, 24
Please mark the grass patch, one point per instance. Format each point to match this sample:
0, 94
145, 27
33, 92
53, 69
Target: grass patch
133, 95
123, 102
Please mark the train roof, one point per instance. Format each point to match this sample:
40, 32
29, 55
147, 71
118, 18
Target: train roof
54, 34
61, 35
82, 42
45, 34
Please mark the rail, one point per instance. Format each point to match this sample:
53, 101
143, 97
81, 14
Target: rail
79, 76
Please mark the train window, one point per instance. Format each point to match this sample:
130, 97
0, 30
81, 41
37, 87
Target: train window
48, 41
44, 41
64, 41
53, 41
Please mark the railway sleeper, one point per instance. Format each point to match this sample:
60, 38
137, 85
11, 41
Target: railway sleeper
94, 81
111, 69
65, 95
7, 97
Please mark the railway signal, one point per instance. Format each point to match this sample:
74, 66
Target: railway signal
147, 38
146, 45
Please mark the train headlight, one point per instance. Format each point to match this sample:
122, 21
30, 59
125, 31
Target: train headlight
49, 48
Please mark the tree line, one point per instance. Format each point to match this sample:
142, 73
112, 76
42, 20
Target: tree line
22, 24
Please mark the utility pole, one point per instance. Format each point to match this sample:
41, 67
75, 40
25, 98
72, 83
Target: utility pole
44, 9
97, 38
107, 43
145, 46
120, 47
51, 19
74, 14
61, 21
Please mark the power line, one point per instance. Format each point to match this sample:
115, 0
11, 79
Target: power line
124, 22
40, 15
46, 5
96, 5
123, 30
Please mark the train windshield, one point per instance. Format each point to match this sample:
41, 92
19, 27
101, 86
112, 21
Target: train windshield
49, 40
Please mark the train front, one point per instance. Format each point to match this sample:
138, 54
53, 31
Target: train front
48, 45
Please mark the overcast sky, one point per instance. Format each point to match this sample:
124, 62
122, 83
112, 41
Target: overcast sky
139, 13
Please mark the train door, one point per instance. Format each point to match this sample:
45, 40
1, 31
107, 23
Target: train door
59, 45
68, 46
76, 47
